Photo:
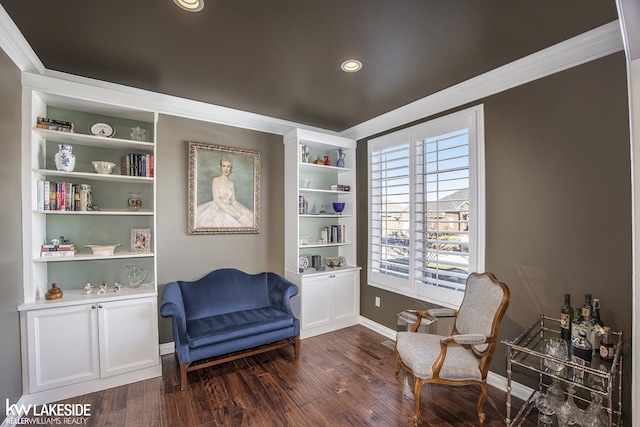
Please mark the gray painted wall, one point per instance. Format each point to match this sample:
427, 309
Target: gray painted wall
188, 257
558, 197
11, 230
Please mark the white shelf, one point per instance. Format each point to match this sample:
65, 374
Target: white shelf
328, 215
93, 141
103, 212
320, 191
93, 176
90, 257
323, 168
323, 245
76, 297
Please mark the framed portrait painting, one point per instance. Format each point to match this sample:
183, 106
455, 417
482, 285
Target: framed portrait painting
224, 189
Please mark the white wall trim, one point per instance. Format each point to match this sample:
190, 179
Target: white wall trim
167, 348
586, 47
16, 46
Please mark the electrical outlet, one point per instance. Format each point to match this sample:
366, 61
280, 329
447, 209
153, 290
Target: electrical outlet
377, 301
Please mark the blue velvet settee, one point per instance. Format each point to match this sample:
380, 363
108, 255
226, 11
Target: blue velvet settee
227, 315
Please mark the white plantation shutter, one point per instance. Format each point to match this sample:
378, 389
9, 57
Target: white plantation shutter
426, 186
389, 211
442, 210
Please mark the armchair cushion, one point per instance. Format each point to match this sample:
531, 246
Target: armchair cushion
420, 351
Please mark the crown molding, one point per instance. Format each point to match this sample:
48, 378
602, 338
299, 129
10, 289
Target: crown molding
16, 46
578, 50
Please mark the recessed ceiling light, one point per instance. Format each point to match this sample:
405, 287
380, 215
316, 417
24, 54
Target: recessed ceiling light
190, 5
351, 66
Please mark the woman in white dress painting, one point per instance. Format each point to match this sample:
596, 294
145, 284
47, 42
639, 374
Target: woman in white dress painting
224, 210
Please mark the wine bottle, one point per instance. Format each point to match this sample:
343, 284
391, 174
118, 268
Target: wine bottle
586, 308
596, 312
566, 318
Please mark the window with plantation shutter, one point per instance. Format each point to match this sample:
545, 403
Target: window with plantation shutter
426, 204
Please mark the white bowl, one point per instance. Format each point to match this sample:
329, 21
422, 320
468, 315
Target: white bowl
103, 250
304, 240
103, 167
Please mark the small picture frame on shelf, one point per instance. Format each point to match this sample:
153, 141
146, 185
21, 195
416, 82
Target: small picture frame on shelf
140, 240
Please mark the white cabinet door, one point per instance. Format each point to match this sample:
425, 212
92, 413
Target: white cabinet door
63, 346
316, 303
345, 295
128, 336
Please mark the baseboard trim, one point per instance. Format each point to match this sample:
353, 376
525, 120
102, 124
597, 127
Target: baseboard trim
167, 348
495, 380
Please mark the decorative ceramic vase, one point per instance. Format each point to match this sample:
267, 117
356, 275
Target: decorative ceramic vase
134, 201
136, 275
340, 162
64, 159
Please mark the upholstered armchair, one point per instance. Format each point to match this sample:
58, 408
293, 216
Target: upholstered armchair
463, 357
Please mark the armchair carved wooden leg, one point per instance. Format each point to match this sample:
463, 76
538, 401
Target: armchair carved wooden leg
417, 391
398, 364
481, 400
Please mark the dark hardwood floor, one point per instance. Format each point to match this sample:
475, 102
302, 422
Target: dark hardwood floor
343, 378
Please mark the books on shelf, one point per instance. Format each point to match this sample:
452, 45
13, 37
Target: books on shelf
53, 124
340, 187
334, 234
67, 250
133, 164
60, 196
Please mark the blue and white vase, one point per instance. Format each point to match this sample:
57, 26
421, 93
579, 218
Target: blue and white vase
64, 159
340, 162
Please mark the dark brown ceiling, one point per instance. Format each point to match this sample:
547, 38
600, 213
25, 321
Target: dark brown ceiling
281, 58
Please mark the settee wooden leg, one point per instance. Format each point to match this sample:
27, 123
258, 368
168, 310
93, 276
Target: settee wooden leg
183, 376
296, 347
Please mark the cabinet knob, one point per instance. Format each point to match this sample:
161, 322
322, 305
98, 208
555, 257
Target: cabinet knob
93, 306
99, 305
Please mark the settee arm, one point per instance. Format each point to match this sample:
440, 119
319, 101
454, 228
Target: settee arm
280, 292
172, 305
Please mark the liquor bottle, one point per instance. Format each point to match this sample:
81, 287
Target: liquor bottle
606, 345
581, 353
586, 308
596, 312
566, 318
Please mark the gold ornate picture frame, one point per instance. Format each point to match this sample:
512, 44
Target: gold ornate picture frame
224, 189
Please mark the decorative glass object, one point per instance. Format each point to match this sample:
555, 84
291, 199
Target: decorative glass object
545, 408
134, 201
137, 134
338, 207
136, 275
568, 413
555, 393
557, 348
64, 159
594, 415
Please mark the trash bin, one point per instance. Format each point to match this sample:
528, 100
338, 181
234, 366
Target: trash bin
407, 318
